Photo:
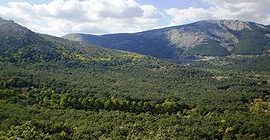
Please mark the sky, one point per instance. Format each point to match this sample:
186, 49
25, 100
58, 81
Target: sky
60, 17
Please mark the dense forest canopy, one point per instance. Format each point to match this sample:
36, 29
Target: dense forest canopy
52, 88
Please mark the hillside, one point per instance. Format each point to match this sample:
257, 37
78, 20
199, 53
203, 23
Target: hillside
23, 50
19, 44
204, 38
53, 88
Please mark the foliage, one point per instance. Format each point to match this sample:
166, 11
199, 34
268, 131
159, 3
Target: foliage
26, 131
212, 48
51, 88
252, 42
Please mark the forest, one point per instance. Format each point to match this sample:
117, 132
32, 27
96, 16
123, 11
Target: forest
52, 88
140, 98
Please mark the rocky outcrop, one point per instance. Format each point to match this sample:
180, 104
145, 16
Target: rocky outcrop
227, 35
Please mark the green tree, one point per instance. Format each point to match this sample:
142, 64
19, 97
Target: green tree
108, 104
26, 132
74, 102
64, 100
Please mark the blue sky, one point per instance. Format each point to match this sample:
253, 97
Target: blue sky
60, 17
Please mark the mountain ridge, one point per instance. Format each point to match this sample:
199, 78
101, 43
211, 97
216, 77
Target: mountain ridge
202, 38
19, 44
54, 88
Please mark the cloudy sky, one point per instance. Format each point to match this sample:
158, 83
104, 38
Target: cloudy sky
60, 17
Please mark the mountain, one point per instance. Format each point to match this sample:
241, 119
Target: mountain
204, 38
54, 88
40, 60
19, 44
33, 60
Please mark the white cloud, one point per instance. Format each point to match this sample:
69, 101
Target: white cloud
179, 16
60, 17
249, 10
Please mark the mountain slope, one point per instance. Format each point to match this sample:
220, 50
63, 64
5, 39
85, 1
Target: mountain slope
19, 44
207, 38
45, 61
52, 88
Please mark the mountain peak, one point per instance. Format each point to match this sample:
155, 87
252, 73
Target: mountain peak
224, 21
206, 37
10, 28
230, 24
6, 21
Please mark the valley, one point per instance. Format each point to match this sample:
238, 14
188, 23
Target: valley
54, 88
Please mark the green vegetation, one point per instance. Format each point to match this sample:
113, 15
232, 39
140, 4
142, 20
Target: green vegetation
81, 124
132, 97
212, 48
51, 88
216, 38
252, 43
